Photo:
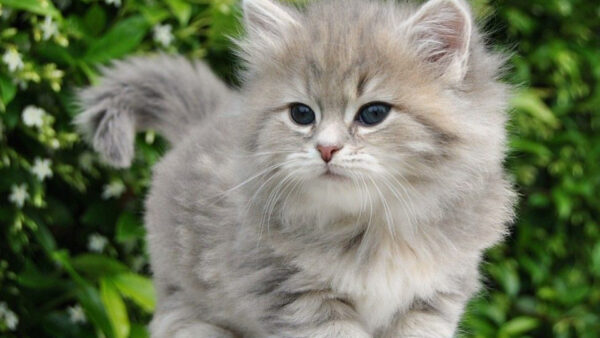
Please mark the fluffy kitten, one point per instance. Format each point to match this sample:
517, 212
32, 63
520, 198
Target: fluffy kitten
348, 189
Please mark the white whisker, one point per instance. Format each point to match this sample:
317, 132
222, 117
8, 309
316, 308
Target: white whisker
388, 216
261, 173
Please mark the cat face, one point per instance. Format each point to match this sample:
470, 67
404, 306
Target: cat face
356, 99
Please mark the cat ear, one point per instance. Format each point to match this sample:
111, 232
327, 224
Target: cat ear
441, 31
267, 19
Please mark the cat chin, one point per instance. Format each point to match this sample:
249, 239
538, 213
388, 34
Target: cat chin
330, 177
335, 192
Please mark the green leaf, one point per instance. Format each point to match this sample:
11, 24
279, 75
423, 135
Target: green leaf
115, 307
563, 201
181, 9
8, 90
479, 327
138, 288
31, 277
74, 26
507, 276
91, 302
596, 259
494, 312
45, 238
124, 37
97, 266
518, 326
129, 228
138, 331
90, 73
40, 7
222, 25
55, 53
527, 146
529, 101
154, 14
95, 19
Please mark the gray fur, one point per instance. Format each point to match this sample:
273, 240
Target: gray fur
163, 92
249, 236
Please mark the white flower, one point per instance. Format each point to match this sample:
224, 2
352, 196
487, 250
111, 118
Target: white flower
33, 116
11, 320
41, 168
13, 60
76, 314
113, 189
55, 144
19, 195
117, 3
97, 243
9, 317
163, 34
49, 28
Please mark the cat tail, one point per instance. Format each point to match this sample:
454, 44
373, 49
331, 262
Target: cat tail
164, 93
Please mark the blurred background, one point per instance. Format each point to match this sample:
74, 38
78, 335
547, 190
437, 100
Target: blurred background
72, 252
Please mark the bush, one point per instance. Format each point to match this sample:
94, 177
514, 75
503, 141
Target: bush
72, 259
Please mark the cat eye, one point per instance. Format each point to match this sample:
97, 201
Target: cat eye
373, 113
302, 114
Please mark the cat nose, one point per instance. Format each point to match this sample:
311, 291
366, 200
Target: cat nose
327, 152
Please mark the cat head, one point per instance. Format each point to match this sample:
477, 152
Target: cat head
350, 101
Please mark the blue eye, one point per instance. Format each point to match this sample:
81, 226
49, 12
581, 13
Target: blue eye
302, 114
373, 113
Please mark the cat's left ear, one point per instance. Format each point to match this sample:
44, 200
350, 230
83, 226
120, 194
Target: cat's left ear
441, 33
267, 20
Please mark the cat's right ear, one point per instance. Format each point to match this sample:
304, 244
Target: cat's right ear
441, 32
267, 20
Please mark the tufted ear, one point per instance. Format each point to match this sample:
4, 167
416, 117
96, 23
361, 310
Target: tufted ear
441, 32
267, 19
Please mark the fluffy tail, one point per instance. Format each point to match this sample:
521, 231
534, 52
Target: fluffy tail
164, 93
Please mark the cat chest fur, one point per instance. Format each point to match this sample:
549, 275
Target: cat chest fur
387, 285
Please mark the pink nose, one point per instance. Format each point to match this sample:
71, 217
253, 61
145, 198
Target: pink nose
327, 152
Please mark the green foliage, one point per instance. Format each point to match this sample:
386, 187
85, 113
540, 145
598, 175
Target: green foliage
72, 256
541, 281
73, 261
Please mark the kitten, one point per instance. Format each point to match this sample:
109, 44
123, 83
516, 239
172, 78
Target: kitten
348, 189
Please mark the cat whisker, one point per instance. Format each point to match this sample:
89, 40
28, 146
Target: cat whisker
405, 201
407, 229
368, 229
290, 192
272, 201
353, 177
251, 200
247, 181
253, 197
386, 209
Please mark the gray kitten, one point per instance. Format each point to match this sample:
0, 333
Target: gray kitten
348, 189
